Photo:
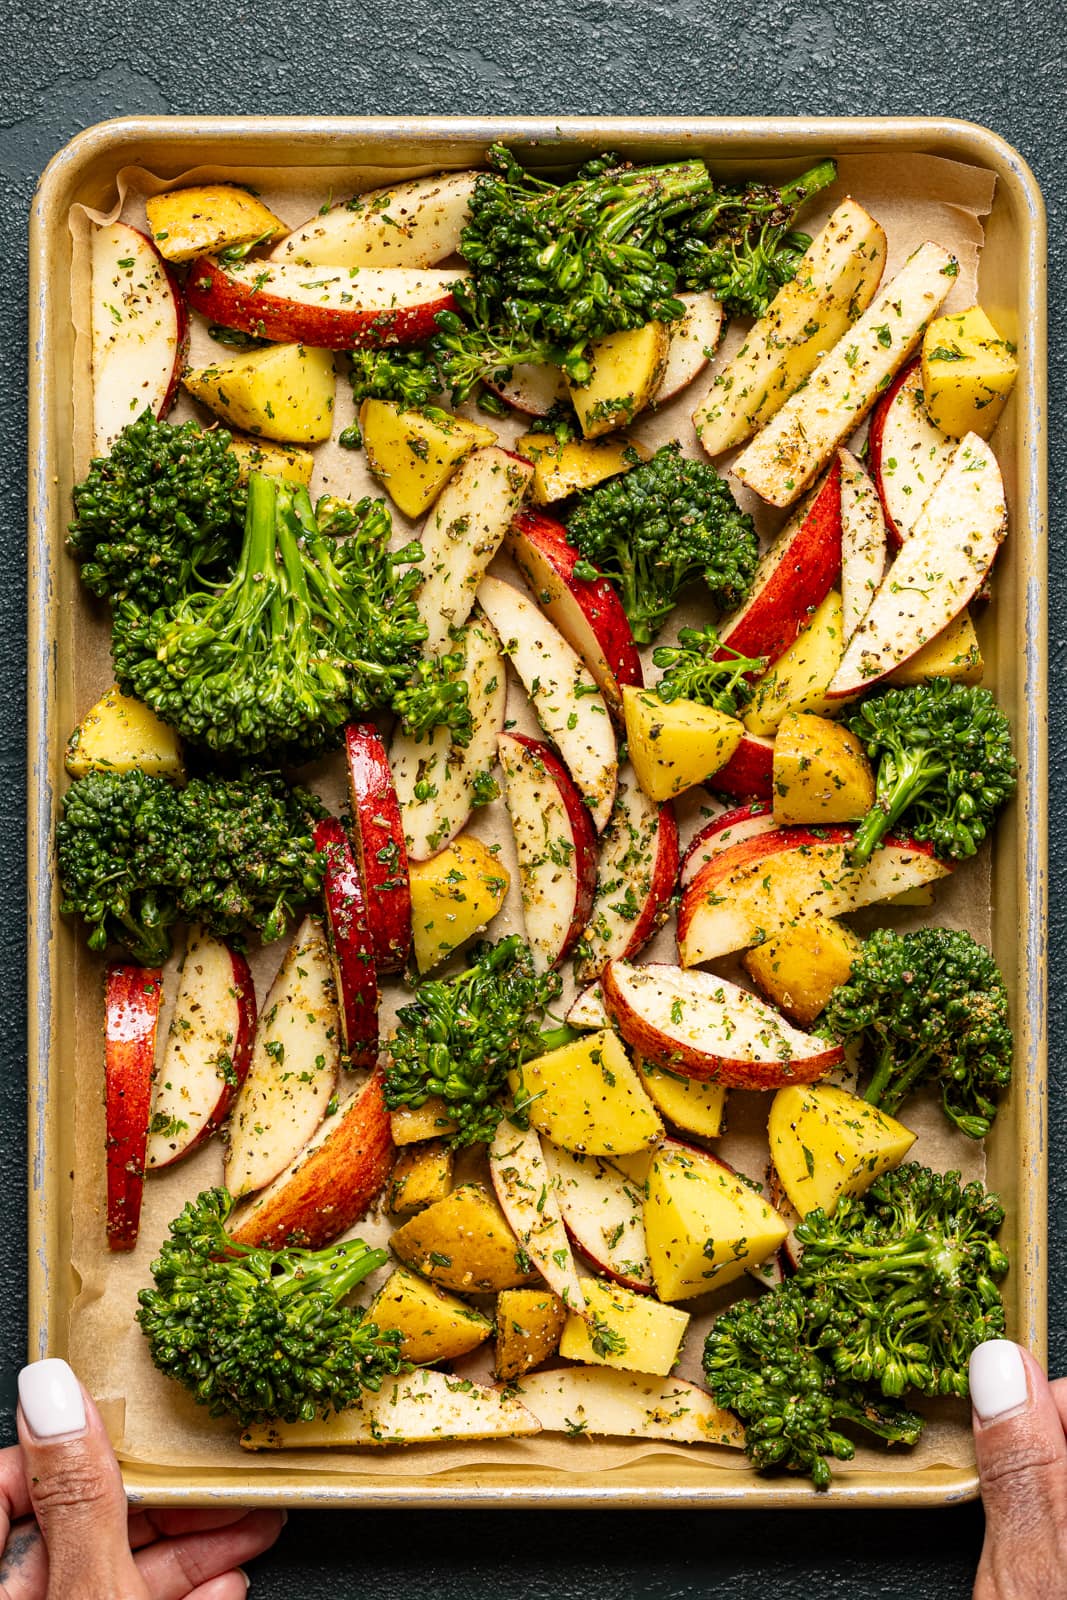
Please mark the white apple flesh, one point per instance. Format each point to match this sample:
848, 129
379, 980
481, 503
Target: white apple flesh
604, 1213
139, 331
907, 453
413, 224
636, 873
730, 827
522, 1180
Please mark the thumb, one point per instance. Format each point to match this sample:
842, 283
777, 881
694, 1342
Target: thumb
1022, 1453
75, 1487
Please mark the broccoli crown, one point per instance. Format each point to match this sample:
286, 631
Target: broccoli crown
257, 1334
462, 1035
701, 668
659, 526
163, 507
929, 1006
318, 624
136, 855
945, 763
437, 696
407, 377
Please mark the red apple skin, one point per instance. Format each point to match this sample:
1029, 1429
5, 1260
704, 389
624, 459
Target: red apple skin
181, 312
351, 944
623, 1279
748, 775
875, 436
583, 834
588, 615
131, 1017
331, 1184
378, 843
234, 303
806, 563
745, 822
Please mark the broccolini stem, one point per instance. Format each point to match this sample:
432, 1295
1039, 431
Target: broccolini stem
901, 781
818, 177
878, 1091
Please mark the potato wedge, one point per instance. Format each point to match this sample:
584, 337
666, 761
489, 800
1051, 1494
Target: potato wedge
675, 744
690, 1105
413, 1124
799, 678
954, 653
434, 1326
821, 773
454, 895
529, 1323
800, 967
283, 392
630, 1332
464, 1243
626, 372
120, 734
210, 217
413, 453
278, 461
422, 1175
705, 1225
826, 1143
587, 1097
563, 469
968, 373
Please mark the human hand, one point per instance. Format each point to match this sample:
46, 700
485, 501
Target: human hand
1020, 1436
66, 1532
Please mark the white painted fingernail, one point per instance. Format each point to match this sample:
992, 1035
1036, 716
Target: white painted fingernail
998, 1379
241, 1573
51, 1400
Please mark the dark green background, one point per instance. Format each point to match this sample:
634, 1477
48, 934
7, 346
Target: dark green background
72, 65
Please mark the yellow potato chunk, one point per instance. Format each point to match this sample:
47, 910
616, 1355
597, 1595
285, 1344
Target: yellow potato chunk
422, 1175
626, 372
587, 1097
921, 895
529, 1323
434, 1326
799, 678
563, 469
631, 1332
120, 734
820, 773
704, 1224
413, 1124
414, 453
277, 461
693, 1106
954, 653
464, 1243
674, 744
453, 896
826, 1143
213, 216
283, 392
800, 967
968, 373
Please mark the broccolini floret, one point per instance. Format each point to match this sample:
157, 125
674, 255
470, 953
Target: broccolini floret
437, 696
694, 671
407, 377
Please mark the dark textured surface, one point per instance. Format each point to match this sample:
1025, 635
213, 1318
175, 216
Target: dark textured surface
73, 65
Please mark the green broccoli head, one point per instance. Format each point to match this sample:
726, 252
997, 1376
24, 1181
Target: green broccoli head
408, 377
929, 1007
437, 696
660, 526
701, 668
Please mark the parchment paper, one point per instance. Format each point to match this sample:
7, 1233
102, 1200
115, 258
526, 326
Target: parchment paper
151, 1419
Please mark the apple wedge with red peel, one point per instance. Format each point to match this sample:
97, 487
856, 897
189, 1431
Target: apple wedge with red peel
604, 1213
906, 452
937, 572
351, 944
589, 615
556, 846
599, 1403
587, 1012
208, 1049
327, 307
700, 1026
531, 390
295, 1064
413, 224
378, 843
139, 331
863, 543
694, 340
636, 872
753, 889
131, 1017
523, 1183
730, 827
749, 773
562, 691
793, 577
331, 1183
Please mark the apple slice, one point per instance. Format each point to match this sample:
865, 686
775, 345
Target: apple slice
588, 1013
748, 775
556, 846
906, 452
413, 224
568, 704
939, 570
529, 389
588, 615
701, 1026
378, 840
131, 1015
523, 1183
694, 340
729, 827
140, 331
294, 1068
597, 1402
327, 307
603, 1211
351, 944
208, 1049
793, 577
331, 1183
636, 872
863, 553
754, 889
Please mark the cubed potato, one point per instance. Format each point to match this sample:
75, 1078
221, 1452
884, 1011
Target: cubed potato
826, 1143
563, 469
800, 967
704, 1224
464, 1243
693, 1106
968, 373
820, 772
422, 1175
799, 678
414, 453
277, 461
282, 391
675, 744
120, 734
210, 217
621, 1329
954, 653
587, 1097
453, 896
529, 1323
434, 1326
412, 1124
921, 895
626, 371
